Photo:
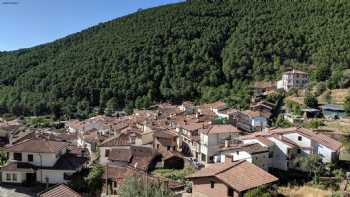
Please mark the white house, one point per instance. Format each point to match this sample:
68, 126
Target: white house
290, 143
250, 120
252, 152
212, 137
187, 107
294, 79
43, 161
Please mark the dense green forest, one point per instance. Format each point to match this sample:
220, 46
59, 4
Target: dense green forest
196, 50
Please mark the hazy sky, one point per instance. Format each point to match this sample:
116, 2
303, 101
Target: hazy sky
26, 23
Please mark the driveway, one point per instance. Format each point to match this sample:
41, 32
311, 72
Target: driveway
16, 191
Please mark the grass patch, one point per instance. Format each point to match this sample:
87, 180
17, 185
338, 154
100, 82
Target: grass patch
306, 191
337, 96
173, 174
39, 121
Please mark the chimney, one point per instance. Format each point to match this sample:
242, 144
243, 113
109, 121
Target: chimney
228, 158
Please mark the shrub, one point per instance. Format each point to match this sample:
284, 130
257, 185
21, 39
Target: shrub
313, 124
347, 104
310, 101
320, 88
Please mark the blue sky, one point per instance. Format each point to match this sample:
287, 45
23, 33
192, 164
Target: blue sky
27, 23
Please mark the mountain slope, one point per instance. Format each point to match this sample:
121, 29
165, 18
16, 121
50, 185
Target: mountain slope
198, 51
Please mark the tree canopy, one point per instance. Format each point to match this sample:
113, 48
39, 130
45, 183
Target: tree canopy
194, 50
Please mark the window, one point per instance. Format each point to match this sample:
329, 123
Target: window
299, 151
157, 146
230, 192
237, 152
211, 184
67, 176
30, 157
211, 158
107, 153
168, 147
204, 157
17, 156
271, 154
8, 177
300, 138
174, 148
14, 177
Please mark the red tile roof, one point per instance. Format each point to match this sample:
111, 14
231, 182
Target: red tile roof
317, 137
59, 191
120, 155
121, 139
37, 146
117, 173
240, 175
18, 166
220, 128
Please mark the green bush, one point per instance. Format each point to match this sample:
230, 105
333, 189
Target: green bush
310, 101
137, 186
313, 124
320, 88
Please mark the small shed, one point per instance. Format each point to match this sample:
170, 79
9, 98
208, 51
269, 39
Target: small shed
310, 112
332, 111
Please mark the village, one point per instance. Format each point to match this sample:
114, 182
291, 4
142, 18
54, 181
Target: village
208, 149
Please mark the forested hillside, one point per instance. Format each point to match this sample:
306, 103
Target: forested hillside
198, 50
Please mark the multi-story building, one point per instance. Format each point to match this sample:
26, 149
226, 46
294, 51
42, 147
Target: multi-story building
290, 143
212, 137
252, 152
250, 121
293, 79
43, 161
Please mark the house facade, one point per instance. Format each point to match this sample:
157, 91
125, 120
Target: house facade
254, 153
250, 121
290, 143
294, 79
230, 179
212, 137
43, 161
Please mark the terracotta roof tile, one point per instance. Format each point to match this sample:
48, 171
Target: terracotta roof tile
120, 155
121, 139
59, 191
37, 146
240, 175
17, 166
220, 128
317, 137
252, 148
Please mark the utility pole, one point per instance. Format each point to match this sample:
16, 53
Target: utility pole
107, 179
146, 185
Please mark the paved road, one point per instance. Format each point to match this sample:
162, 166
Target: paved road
15, 191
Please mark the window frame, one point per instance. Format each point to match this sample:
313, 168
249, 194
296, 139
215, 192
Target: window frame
107, 151
212, 184
8, 176
14, 177
230, 192
17, 156
30, 157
